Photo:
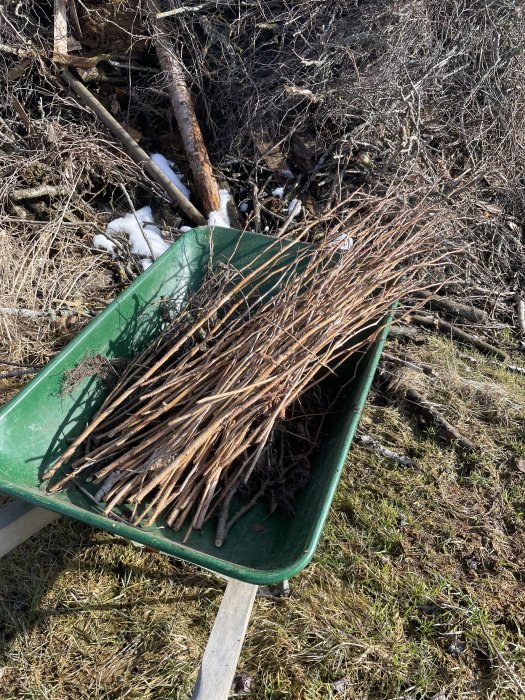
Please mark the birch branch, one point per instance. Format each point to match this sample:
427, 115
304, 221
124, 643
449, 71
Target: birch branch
382, 451
521, 314
40, 191
60, 30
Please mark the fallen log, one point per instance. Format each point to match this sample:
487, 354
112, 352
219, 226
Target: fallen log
181, 103
438, 324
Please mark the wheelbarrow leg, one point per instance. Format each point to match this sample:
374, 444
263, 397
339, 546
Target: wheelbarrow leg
224, 646
19, 521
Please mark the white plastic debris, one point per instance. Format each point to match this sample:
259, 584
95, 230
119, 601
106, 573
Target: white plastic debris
295, 206
278, 192
220, 217
166, 166
243, 207
100, 241
184, 228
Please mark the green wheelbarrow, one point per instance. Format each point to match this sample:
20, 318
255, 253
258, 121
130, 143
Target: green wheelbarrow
37, 425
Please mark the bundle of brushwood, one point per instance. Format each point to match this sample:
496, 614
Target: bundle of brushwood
190, 417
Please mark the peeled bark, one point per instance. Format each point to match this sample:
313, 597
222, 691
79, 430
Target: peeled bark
59, 29
205, 184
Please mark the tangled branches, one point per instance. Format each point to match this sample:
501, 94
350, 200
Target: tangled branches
425, 93
192, 415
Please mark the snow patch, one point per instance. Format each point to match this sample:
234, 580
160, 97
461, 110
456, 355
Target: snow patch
130, 226
100, 241
244, 207
344, 241
220, 216
295, 206
135, 226
278, 192
184, 228
166, 166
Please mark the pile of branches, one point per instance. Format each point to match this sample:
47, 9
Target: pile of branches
381, 95
376, 94
58, 170
192, 414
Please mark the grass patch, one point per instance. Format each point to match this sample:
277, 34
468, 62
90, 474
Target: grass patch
416, 588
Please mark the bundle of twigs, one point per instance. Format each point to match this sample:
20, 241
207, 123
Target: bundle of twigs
192, 413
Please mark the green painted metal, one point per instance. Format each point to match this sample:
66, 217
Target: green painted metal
36, 425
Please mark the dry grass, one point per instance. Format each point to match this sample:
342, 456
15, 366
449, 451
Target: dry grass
414, 564
47, 268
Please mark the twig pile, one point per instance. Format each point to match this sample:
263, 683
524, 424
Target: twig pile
191, 415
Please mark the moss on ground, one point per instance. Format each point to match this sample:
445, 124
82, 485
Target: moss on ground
416, 589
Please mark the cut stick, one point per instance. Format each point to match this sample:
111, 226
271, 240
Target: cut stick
60, 30
138, 154
465, 312
425, 369
438, 324
180, 98
386, 452
446, 430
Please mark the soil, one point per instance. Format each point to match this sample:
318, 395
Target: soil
95, 365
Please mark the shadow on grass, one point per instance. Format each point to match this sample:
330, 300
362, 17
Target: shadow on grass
28, 577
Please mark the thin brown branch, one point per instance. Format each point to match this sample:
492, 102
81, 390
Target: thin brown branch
136, 152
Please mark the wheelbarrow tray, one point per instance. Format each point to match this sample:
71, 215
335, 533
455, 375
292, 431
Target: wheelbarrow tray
37, 425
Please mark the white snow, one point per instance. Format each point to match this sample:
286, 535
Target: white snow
287, 173
166, 166
146, 262
278, 192
100, 241
345, 241
128, 224
220, 217
184, 228
243, 207
295, 206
